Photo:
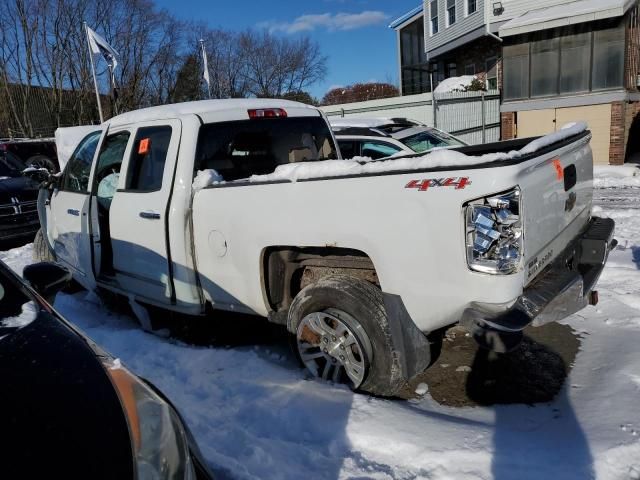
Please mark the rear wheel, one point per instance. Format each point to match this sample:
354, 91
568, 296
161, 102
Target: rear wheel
41, 252
342, 334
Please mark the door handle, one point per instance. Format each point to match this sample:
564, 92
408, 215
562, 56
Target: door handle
150, 215
75, 213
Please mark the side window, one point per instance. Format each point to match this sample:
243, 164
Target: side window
108, 167
148, 157
348, 149
378, 150
76, 173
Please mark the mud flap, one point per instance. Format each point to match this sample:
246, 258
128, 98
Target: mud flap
410, 344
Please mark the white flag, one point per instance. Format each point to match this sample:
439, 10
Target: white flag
205, 65
99, 46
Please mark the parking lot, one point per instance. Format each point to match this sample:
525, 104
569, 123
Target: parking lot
558, 407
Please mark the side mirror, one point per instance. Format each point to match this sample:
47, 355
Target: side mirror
47, 279
40, 175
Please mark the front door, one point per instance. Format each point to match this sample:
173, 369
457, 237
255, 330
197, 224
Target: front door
68, 212
137, 218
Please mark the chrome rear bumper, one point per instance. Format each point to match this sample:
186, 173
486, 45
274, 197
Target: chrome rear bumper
564, 287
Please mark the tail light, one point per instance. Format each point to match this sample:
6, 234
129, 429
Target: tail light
494, 234
267, 113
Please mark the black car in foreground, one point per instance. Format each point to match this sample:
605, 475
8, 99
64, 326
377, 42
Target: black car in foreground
69, 409
18, 202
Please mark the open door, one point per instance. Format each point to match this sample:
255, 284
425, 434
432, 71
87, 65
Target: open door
66, 212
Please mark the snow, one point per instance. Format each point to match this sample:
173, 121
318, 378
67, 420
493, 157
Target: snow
622, 176
455, 84
257, 415
438, 158
28, 315
205, 178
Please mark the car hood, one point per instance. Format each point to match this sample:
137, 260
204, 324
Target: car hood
61, 415
22, 188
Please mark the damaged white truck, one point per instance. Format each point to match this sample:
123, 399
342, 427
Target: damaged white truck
245, 205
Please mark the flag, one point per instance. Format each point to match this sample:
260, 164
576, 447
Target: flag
99, 46
205, 65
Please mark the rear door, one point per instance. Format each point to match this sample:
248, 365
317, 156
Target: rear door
68, 209
138, 214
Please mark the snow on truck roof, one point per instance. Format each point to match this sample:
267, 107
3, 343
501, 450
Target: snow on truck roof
201, 107
367, 122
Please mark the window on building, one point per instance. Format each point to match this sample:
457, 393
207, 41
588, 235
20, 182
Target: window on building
470, 69
148, 157
414, 67
451, 12
451, 70
433, 5
575, 62
516, 71
577, 59
491, 67
545, 58
608, 58
472, 6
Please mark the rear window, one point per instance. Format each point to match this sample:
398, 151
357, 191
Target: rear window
243, 148
428, 140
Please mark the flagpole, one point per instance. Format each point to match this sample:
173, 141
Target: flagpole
206, 65
93, 71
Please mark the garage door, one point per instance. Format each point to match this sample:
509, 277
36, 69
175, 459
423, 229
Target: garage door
598, 117
534, 123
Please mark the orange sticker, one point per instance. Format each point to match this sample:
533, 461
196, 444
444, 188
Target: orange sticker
143, 147
559, 170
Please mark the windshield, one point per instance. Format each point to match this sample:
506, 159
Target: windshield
10, 165
237, 150
429, 139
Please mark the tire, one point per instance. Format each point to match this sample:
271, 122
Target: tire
358, 306
41, 252
42, 161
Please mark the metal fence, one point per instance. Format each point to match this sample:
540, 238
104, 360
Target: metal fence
472, 116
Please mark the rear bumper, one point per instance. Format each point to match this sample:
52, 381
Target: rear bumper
563, 288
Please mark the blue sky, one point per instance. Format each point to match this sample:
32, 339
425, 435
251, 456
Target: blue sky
353, 34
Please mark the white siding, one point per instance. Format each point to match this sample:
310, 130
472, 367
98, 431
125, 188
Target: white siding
462, 26
515, 8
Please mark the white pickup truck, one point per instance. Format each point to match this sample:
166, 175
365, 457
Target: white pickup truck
364, 262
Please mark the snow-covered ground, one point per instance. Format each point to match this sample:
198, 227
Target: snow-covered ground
256, 415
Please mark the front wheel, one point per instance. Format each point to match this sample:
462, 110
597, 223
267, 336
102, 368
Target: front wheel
41, 252
342, 334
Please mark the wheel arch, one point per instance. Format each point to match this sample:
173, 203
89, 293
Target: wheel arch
285, 270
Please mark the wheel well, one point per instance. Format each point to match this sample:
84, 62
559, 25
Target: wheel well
287, 270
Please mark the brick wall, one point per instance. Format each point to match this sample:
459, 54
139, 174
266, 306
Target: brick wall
618, 128
508, 125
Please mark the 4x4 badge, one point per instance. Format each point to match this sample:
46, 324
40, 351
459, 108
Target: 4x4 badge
422, 185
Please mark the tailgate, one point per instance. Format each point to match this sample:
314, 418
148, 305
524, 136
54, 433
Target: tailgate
557, 192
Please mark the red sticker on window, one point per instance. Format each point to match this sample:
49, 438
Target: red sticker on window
559, 170
143, 147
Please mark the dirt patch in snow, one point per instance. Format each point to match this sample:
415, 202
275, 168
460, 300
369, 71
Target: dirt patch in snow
535, 372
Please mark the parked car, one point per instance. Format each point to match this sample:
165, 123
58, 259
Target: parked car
384, 137
39, 153
18, 201
241, 205
69, 409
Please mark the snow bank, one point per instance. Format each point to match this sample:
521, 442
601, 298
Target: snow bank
616, 176
455, 84
67, 139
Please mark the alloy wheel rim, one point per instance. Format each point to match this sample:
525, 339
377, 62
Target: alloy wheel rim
330, 348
